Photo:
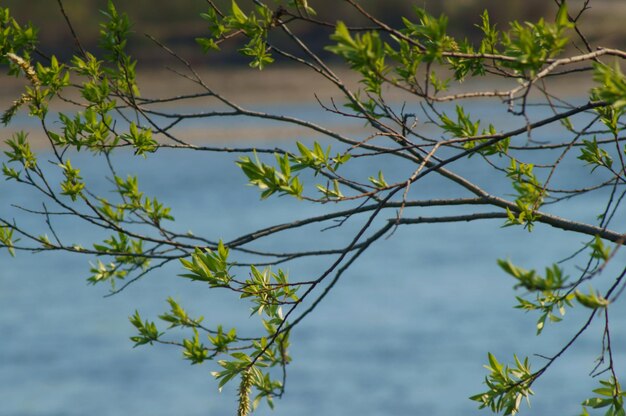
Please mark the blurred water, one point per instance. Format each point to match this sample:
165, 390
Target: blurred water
405, 332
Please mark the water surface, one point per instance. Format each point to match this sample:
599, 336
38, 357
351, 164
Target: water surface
406, 330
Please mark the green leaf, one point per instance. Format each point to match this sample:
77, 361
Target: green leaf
379, 182
73, 185
506, 386
7, 240
209, 266
207, 44
148, 332
592, 300
599, 250
612, 84
595, 155
194, 350
562, 21
20, 151
238, 14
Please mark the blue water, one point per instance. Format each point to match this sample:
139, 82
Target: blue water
405, 332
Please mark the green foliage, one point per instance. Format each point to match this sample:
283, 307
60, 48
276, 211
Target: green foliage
547, 302
283, 181
194, 350
111, 213
53, 78
254, 26
530, 280
610, 396
231, 369
532, 44
595, 155
241, 365
407, 58
6, 239
491, 36
379, 182
147, 331
507, 386
420, 59
331, 191
523, 43
599, 250
268, 291
464, 66
548, 290
135, 202
20, 152
430, 34
270, 180
114, 34
530, 194
216, 27
73, 184
612, 84
364, 53
16, 39
222, 340
106, 272
141, 140
209, 266
317, 159
463, 127
125, 250
178, 316
89, 129
610, 116
593, 300
45, 83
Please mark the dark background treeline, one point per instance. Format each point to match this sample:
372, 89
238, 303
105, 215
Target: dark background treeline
177, 23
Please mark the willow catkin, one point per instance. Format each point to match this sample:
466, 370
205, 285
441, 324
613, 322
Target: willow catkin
28, 69
245, 388
8, 114
31, 74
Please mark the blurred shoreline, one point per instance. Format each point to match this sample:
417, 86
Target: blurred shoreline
274, 87
177, 24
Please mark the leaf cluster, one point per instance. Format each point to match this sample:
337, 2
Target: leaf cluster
209, 266
15, 38
269, 291
126, 250
269, 179
508, 386
609, 396
364, 53
612, 84
253, 26
7, 240
530, 193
